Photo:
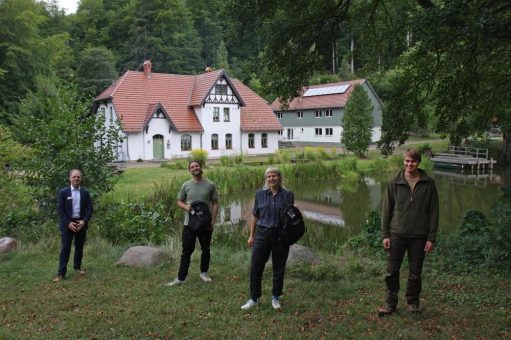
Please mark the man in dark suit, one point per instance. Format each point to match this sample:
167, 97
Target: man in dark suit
74, 205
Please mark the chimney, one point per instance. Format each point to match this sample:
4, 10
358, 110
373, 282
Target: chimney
208, 69
147, 68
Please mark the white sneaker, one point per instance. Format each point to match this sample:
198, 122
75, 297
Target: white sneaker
205, 277
250, 304
275, 303
176, 282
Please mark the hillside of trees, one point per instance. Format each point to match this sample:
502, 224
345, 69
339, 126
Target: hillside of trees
440, 66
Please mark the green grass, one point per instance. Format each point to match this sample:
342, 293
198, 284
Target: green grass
333, 300
137, 182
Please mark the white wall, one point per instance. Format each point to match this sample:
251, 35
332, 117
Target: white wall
205, 115
272, 140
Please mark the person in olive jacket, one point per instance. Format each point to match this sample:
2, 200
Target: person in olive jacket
409, 224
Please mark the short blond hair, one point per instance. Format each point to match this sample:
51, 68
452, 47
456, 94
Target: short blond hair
272, 170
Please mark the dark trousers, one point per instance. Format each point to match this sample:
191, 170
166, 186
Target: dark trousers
266, 242
188, 241
415, 249
66, 238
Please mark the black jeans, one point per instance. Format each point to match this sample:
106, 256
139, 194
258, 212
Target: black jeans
188, 241
66, 239
415, 249
267, 241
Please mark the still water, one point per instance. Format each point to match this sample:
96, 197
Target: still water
341, 208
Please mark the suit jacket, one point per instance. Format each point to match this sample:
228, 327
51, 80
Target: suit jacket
65, 207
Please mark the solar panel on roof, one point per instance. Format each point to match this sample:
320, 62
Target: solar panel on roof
321, 91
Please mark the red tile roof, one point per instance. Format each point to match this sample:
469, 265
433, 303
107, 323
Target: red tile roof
135, 97
321, 101
257, 115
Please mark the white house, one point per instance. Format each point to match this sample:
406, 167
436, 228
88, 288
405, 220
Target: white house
315, 117
164, 116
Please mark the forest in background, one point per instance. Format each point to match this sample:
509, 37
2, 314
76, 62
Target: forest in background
441, 66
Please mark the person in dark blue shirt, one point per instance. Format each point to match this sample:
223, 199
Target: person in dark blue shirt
265, 239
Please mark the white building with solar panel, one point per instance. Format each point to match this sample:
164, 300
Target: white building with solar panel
315, 118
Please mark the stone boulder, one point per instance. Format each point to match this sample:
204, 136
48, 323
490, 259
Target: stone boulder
142, 256
7, 244
301, 255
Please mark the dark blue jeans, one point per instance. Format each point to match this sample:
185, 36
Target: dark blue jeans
267, 241
66, 239
415, 249
188, 242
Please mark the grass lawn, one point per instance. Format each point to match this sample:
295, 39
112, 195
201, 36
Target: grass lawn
137, 182
333, 300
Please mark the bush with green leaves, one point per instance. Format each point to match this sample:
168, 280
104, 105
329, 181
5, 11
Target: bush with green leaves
370, 238
469, 245
199, 155
55, 121
136, 223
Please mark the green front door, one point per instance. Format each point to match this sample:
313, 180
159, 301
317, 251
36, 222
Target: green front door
158, 147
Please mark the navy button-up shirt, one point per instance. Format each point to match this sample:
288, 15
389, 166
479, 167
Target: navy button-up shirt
267, 207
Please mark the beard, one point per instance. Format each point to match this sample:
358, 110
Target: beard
197, 173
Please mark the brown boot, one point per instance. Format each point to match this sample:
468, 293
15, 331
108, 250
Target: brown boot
386, 310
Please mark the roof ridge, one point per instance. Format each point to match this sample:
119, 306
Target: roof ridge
118, 83
191, 90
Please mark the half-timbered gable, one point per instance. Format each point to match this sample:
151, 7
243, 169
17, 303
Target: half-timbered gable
167, 115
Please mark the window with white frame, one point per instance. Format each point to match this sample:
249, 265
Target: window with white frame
251, 141
264, 140
318, 113
280, 132
279, 115
216, 114
186, 142
299, 114
318, 131
329, 132
214, 141
328, 113
228, 141
227, 114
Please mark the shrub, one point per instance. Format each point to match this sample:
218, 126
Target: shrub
469, 245
226, 160
370, 238
132, 223
199, 155
310, 153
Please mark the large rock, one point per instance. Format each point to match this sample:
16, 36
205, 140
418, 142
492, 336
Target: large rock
7, 244
301, 255
141, 256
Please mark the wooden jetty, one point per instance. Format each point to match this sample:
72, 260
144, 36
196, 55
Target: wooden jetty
464, 157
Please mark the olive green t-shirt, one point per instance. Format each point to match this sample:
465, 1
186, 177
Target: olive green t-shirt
192, 191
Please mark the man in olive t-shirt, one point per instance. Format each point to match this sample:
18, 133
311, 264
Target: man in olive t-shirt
196, 189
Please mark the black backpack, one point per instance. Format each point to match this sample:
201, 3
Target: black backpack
199, 216
292, 224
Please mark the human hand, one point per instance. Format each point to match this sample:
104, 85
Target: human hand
250, 241
428, 248
79, 225
386, 243
72, 226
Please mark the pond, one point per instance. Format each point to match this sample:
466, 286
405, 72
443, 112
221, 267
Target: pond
337, 210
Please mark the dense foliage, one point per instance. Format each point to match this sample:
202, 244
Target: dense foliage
357, 122
62, 134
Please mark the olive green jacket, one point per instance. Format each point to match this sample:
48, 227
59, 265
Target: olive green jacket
410, 214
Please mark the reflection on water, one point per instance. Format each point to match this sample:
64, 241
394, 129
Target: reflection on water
343, 206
